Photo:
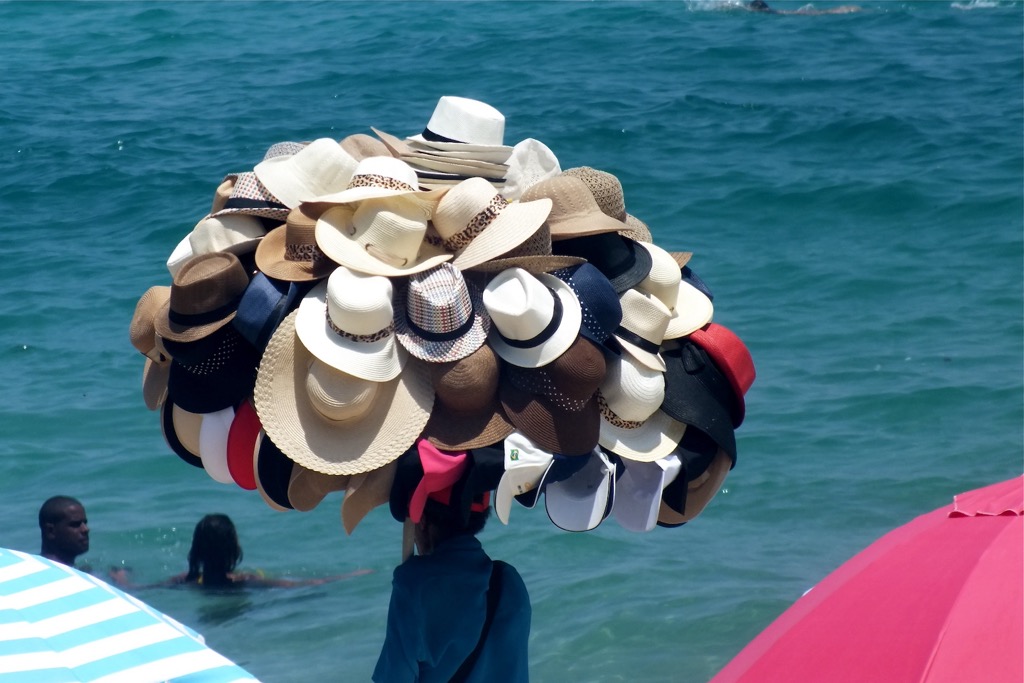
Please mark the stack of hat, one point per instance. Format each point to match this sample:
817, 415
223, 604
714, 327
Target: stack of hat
384, 319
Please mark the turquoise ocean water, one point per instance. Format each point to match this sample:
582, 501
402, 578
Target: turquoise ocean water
851, 187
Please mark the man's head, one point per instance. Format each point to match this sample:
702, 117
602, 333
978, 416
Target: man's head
64, 529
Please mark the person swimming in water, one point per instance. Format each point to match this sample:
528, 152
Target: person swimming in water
762, 6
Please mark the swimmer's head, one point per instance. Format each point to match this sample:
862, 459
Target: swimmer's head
759, 6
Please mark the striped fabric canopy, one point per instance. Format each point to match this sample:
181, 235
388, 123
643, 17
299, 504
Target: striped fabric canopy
60, 625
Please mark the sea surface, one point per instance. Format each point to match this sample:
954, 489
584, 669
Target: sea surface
852, 187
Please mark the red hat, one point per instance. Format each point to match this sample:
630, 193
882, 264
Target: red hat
732, 357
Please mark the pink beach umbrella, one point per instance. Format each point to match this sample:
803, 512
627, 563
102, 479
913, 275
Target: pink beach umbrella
940, 599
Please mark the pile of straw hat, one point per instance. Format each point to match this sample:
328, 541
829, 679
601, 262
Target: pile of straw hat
441, 316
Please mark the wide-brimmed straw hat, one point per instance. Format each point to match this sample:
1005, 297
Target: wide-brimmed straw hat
733, 358
685, 498
334, 422
462, 124
525, 465
533, 255
624, 262
574, 213
477, 224
579, 492
607, 192
142, 334
467, 413
535, 318
245, 428
698, 394
690, 309
373, 178
639, 489
381, 236
250, 197
320, 168
204, 297
290, 252
439, 317
644, 320
213, 444
347, 322
555, 405
632, 424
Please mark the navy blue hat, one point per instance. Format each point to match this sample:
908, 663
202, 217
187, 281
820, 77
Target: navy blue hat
273, 472
213, 373
599, 301
264, 305
689, 276
624, 262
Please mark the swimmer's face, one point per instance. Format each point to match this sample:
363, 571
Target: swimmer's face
71, 533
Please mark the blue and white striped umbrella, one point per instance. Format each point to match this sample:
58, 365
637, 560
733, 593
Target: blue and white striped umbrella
60, 625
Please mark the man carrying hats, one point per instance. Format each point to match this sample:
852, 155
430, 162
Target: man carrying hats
64, 530
455, 614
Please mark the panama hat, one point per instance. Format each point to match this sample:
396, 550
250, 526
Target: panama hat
347, 323
639, 489
307, 489
381, 236
181, 253
555, 405
180, 429
525, 465
624, 262
467, 413
155, 376
439, 317
632, 426
213, 373
290, 252
533, 255
698, 394
579, 492
320, 168
366, 492
644, 320
476, 223
213, 444
273, 471
204, 297
535, 318
265, 303
462, 124
490, 164
252, 198
373, 178
531, 161
599, 302
236, 233
333, 422
245, 427
733, 358
574, 213
690, 309
686, 498
607, 192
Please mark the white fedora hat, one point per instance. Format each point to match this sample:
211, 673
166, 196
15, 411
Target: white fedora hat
632, 423
690, 308
534, 318
459, 123
376, 177
638, 491
233, 232
644, 321
379, 236
181, 253
347, 322
477, 224
319, 168
525, 465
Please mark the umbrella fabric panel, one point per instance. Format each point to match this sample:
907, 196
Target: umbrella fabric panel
59, 624
938, 599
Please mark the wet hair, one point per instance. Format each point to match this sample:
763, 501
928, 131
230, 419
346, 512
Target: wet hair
215, 551
53, 509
